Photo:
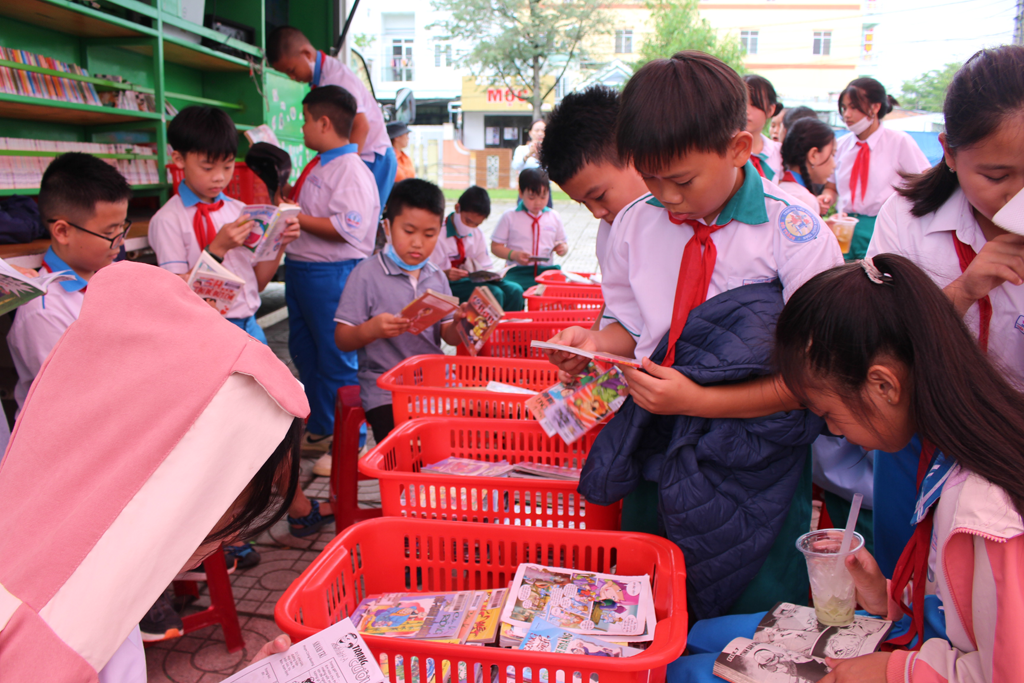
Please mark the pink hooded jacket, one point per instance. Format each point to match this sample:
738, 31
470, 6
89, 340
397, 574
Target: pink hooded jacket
980, 579
148, 419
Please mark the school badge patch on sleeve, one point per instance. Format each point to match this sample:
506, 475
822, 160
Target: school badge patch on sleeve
353, 220
798, 224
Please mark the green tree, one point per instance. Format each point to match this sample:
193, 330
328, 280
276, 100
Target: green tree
927, 92
519, 42
679, 26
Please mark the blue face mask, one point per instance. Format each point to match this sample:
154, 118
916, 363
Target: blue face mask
390, 252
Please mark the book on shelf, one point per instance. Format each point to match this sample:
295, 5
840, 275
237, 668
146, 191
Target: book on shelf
17, 289
428, 309
571, 410
15, 81
264, 240
26, 172
789, 641
214, 283
482, 316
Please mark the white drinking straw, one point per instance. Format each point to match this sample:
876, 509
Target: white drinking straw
851, 522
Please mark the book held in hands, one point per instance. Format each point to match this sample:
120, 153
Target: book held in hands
483, 315
270, 222
215, 284
428, 309
17, 289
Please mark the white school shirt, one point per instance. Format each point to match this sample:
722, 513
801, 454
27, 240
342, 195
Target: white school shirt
799, 193
768, 236
773, 156
928, 242
39, 324
473, 241
330, 71
339, 187
604, 231
892, 152
177, 250
515, 231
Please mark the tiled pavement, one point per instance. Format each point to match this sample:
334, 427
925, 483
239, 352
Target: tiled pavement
201, 657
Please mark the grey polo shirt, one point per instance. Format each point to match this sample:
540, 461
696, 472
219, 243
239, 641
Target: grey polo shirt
378, 286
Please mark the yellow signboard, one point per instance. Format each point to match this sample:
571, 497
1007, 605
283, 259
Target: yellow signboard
476, 97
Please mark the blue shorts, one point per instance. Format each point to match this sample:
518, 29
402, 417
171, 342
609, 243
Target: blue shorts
250, 325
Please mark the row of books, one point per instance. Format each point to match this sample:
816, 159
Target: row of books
467, 467
18, 173
31, 84
132, 100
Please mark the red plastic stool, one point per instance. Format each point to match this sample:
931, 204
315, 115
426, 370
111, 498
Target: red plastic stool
222, 602
345, 477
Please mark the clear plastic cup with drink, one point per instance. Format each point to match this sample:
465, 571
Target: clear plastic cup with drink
831, 584
842, 227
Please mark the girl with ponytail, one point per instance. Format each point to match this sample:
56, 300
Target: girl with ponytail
808, 159
868, 162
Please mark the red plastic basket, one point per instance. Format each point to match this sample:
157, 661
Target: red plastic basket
407, 492
245, 186
391, 554
436, 385
556, 276
512, 335
563, 298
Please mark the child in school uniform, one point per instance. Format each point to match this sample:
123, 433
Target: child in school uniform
763, 105
200, 217
463, 242
529, 231
367, 315
711, 224
338, 200
808, 159
84, 203
290, 52
868, 162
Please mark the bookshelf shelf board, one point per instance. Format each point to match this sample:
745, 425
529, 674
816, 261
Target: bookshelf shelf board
57, 111
74, 19
101, 155
194, 56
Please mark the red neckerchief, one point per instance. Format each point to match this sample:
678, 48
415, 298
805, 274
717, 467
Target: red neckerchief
913, 564
202, 222
860, 171
535, 227
695, 271
966, 254
756, 161
457, 262
302, 178
788, 175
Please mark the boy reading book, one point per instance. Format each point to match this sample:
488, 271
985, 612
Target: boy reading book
462, 249
383, 285
528, 235
200, 217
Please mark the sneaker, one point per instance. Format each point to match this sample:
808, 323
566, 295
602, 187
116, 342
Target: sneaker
242, 556
320, 443
301, 527
161, 622
322, 467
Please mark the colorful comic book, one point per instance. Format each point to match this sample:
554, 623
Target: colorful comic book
427, 309
543, 636
572, 410
482, 317
215, 284
431, 616
264, 240
537, 470
484, 630
468, 467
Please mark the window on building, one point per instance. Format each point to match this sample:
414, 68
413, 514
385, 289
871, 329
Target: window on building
867, 43
401, 67
624, 41
822, 43
748, 40
560, 88
442, 54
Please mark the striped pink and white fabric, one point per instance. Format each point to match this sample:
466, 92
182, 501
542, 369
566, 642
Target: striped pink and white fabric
149, 418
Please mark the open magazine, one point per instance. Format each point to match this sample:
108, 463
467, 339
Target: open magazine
264, 240
17, 289
791, 642
215, 284
572, 410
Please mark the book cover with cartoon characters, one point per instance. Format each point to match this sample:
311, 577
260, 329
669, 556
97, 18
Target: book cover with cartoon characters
482, 317
572, 410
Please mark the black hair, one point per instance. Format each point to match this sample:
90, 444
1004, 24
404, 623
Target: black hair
414, 193
988, 89
74, 182
795, 114
535, 180
475, 200
840, 323
203, 130
805, 135
670, 107
284, 41
280, 474
577, 130
863, 92
762, 94
334, 102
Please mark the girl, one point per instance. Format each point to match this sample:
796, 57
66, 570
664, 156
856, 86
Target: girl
762, 105
942, 220
167, 447
808, 158
869, 162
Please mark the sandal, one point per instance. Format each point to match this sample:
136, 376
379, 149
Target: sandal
301, 527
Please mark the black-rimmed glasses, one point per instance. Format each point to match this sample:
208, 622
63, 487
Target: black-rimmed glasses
115, 241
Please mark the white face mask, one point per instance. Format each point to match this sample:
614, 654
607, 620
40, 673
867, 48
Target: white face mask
861, 126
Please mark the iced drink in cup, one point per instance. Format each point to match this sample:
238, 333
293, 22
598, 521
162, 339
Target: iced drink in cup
843, 226
831, 584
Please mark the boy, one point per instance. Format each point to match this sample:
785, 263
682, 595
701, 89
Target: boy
383, 285
528, 234
463, 240
84, 201
290, 52
580, 156
200, 217
338, 201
